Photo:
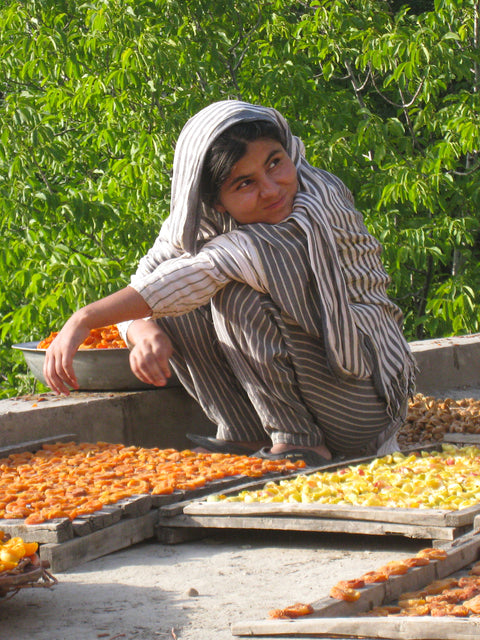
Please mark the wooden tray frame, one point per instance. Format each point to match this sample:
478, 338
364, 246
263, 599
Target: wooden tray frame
336, 618
431, 524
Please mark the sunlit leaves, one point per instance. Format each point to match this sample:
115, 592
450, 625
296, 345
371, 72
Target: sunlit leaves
410, 87
93, 96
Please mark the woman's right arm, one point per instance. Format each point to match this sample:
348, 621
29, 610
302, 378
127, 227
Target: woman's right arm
150, 351
161, 251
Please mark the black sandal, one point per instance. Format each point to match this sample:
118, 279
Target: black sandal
309, 456
220, 446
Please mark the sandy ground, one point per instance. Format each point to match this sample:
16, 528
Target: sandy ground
194, 590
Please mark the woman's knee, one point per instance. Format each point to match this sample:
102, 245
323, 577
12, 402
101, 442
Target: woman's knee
234, 300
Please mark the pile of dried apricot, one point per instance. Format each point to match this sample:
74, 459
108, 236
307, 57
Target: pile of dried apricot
101, 338
429, 419
348, 590
446, 479
453, 596
296, 610
65, 480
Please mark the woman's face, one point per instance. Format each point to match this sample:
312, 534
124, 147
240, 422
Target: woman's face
261, 186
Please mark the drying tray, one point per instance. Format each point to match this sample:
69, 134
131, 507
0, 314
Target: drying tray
336, 618
66, 543
431, 524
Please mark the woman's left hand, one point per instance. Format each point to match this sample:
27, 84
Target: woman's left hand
149, 357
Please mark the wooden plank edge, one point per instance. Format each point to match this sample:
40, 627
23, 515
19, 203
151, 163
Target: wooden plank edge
54, 531
35, 445
79, 550
462, 516
462, 438
176, 507
172, 535
88, 523
350, 512
309, 524
414, 628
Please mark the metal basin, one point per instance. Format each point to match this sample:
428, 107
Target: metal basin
96, 369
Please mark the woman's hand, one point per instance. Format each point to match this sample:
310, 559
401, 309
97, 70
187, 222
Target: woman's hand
151, 352
58, 366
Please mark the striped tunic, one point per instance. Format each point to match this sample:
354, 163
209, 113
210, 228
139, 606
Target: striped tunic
320, 267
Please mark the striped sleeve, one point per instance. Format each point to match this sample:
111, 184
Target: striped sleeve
179, 285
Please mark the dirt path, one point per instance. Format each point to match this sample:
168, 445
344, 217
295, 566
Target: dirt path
195, 590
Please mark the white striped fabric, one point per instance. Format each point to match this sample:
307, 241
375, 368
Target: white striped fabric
345, 303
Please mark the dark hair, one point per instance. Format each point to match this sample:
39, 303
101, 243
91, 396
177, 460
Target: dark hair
227, 149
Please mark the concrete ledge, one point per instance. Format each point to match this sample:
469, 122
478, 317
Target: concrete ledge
447, 363
153, 418
162, 417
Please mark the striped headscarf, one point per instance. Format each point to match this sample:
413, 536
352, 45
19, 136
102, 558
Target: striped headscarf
362, 328
191, 222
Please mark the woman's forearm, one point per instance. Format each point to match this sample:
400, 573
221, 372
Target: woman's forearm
122, 305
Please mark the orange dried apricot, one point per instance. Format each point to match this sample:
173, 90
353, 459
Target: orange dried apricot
416, 562
372, 577
432, 553
30, 548
101, 338
394, 568
293, 611
67, 479
355, 583
34, 518
347, 594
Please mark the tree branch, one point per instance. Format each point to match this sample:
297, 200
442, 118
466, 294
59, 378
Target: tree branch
403, 105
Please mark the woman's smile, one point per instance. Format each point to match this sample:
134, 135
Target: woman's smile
261, 186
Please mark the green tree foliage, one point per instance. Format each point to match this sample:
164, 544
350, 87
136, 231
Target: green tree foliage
407, 88
93, 96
